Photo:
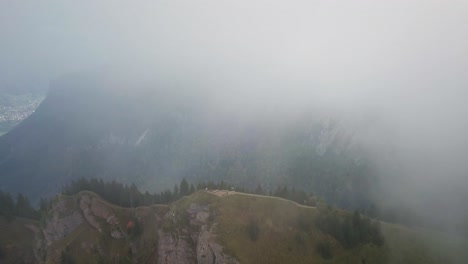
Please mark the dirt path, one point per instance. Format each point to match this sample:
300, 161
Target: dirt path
222, 193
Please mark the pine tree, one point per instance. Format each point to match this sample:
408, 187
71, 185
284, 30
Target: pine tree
7, 205
134, 196
259, 190
184, 188
175, 194
23, 207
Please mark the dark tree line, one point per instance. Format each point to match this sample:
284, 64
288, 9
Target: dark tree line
131, 196
21, 207
350, 229
127, 196
299, 196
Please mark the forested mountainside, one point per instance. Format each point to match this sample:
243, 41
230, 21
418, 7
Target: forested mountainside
155, 135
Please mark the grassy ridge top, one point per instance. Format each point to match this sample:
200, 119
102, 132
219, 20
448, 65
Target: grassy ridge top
287, 233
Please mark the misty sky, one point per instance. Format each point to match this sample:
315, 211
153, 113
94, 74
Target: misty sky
402, 64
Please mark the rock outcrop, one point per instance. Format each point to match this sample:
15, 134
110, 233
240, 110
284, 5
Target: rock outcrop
93, 208
85, 203
64, 220
197, 244
175, 249
209, 251
101, 210
171, 236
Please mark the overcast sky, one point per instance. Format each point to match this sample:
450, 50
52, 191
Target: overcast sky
355, 46
404, 61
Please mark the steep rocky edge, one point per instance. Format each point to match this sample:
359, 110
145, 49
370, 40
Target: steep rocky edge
85, 228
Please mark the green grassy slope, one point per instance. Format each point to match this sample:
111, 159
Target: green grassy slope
16, 240
287, 234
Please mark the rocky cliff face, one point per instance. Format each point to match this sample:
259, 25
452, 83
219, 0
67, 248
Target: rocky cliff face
85, 228
62, 222
196, 246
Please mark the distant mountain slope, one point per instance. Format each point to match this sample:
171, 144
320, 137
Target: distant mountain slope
156, 134
205, 228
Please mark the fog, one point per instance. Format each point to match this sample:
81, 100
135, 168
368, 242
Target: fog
394, 72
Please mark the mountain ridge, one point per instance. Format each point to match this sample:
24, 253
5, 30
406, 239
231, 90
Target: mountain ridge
86, 128
208, 228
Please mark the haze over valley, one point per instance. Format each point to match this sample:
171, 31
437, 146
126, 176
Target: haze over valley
357, 107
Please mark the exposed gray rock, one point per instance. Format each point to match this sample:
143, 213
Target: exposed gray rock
59, 226
195, 208
195, 243
117, 234
101, 210
62, 222
38, 246
199, 214
172, 249
92, 208
85, 203
209, 251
